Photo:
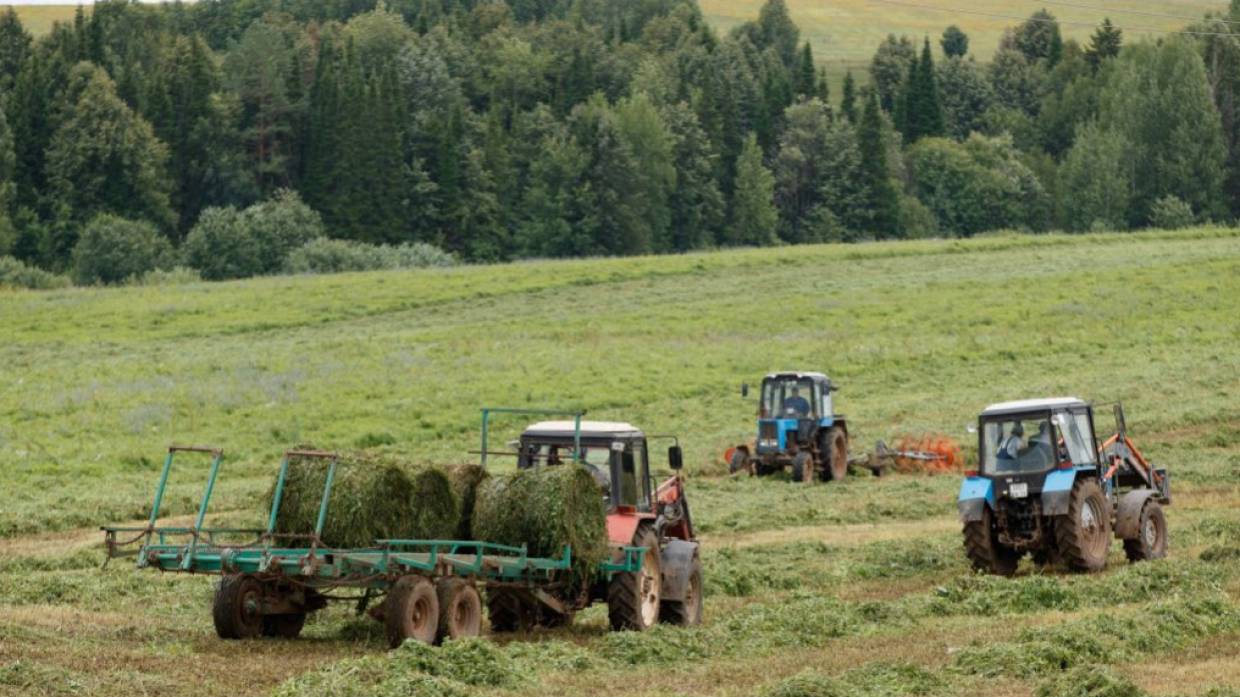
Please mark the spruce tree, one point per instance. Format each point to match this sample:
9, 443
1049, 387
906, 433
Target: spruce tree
923, 111
883, 199
849, 105
14, 47
754, 216
1105, 43
805, 75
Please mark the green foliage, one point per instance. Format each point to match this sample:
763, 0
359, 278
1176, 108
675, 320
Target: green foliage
890, 68
1095, 181
1104, 44
921, 111
324, 255
16, 274
1171, 213
1039, 39
882, 196
966, 96
754, 216
111, 250
975, 186
227, 243
955, 42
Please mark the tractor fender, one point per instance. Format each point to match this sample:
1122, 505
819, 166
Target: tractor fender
1057, 491
975, 494
677, 564
1128, 513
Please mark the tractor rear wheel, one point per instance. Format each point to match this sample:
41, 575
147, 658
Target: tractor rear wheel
287, 626
412, 611
633, 596
984, 550
1151, 540
1083, 536
506, 610
803, 467
835, 454
687, 612
460, 609
237, 609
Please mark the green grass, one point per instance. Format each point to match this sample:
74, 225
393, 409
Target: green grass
38, 19
863, 581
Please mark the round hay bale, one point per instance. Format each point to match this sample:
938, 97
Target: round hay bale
465, 481
370, 499
546, 508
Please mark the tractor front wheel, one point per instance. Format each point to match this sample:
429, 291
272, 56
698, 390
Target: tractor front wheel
460, 609
803, 468
687, 612
633, 596
982, 546
1083, 536
412, 611
835, 454
1151, 540
237, 610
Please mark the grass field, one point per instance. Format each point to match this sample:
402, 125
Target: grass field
845, 33
857, 588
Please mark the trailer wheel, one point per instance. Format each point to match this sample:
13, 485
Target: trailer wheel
460, 609
1083, 536
835, 454
287, 626
803, 468
412, 611
237, 609
505, 610
687, 612
1151, 540
985, 552
633, 597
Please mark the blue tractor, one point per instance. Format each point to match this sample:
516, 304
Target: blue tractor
1045, 486
797, 428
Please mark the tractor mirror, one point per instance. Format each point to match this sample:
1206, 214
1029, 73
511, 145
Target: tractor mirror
675, 458
744, 389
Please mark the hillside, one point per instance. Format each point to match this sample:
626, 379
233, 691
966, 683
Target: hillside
862, 581
845, 33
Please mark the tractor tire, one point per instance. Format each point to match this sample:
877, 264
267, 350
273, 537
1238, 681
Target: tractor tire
506, 611
687, 612
1083, 536
237, 610
1151, 540
835, 454
287, 626
803, 468
985, 552
460, 609
412, 611
633, 596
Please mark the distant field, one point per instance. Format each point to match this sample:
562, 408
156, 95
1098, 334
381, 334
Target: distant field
844, 33
38, 19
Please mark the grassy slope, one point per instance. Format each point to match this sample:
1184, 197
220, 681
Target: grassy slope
845, 33
38, 19
919, 334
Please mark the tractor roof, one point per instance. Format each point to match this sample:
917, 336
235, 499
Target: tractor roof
798, 374
1025, 405
589, 429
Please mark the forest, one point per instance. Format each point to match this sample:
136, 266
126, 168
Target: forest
231, 138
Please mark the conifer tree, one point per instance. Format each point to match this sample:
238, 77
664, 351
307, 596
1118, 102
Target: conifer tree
806, 75
754, 216
923, 111
882, 198
1105, 43
849, 105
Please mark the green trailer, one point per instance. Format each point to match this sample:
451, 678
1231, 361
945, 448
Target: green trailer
424, 589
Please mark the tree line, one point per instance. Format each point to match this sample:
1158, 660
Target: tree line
227, 134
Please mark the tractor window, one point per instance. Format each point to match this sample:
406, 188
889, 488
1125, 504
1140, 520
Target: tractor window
632, 476
1017, 446
787, 398
1076, 434
596, 460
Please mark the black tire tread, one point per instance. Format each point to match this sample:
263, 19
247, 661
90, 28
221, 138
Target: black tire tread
1068, 538
623, 594
983, 550
227, 596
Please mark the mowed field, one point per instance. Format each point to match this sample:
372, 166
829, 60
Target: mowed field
853, 588
845, 33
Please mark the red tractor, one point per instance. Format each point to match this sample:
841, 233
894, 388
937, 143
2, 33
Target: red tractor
666, 586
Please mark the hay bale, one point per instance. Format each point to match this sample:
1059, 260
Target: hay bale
545, 508
371, 499
465, 481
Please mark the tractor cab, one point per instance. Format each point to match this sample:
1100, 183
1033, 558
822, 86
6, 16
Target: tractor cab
793, 407
614, 453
